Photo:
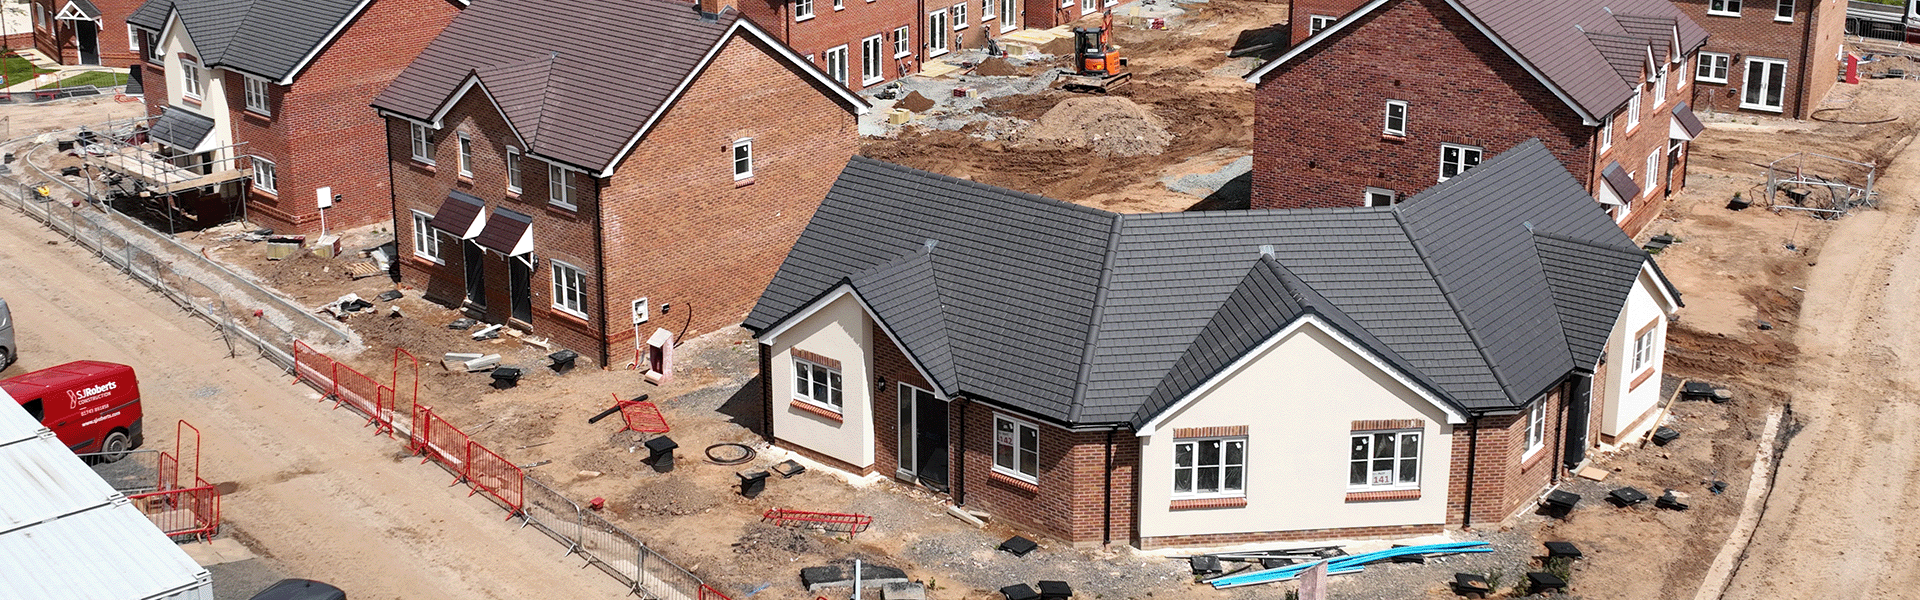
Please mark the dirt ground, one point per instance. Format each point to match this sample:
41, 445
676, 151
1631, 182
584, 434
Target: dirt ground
19, 120
1182, 76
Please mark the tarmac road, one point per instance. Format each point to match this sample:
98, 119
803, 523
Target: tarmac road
318, 495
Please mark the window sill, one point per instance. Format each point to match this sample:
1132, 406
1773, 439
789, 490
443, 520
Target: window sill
1016, 482
571, 208
1640, 379
577, 320
274, 194
257, 115
803, 19
427, 166
818, 411
1383, 496
1711, 81
513, 194
942, 52
1781, 20
466, 178
1208, 503
959, 27
191, 100
743, 182
1398, 139
423, 260
1772, 109
1723, 14
1533, 455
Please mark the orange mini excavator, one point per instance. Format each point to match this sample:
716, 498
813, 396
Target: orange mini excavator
1098, 67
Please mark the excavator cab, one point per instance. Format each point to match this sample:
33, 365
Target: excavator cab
1092, 55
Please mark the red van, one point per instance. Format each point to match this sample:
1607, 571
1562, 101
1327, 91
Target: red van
91, 406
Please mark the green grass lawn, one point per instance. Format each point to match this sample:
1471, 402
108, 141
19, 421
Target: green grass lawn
94, 78
18, 69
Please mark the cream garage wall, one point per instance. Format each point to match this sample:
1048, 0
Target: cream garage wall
213, 96
1298, 400
1644, 305
840, 330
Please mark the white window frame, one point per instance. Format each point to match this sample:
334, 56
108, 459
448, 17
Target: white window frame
1659, 85
569, 280
829, 379
802, 10
423, 146
1381, 197
873, 66
959, 15
836, 64
903, 41
265, 178
1723, 8
1633, 110
155, 53
1536, 428
1009, 15
1686, 67
740, 158
465, 159
986, 10
1016, 449
1643, 350
133, 37
1653, 170
1087, 7
1463, 166
513, 169
1746, 74
189, 79
256, 94
1394, 483
937, 21
839, 5
1319, 23
560, 190
1712, 62
1387, 126
1783, 6
426, 239
1221, 468
1606, 134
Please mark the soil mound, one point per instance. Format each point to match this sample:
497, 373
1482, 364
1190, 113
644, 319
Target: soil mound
915, 102
1109, 125
996, 67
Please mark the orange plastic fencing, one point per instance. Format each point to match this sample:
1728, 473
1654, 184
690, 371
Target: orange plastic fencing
492, 474
852, 523
193, 511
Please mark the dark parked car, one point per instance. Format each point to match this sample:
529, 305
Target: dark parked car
300, 589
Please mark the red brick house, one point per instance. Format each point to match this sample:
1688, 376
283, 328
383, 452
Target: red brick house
545, 180
80, 32
862, 43
1308, 17
1211, 378
1767, 56
1400, 94
281, 87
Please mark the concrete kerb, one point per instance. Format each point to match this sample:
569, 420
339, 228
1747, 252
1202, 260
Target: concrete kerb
1759, 486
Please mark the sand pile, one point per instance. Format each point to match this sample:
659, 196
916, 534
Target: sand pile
996, 67
1109, 125
915, 102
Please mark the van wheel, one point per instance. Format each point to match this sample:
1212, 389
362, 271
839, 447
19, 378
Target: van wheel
115, 448
6, 358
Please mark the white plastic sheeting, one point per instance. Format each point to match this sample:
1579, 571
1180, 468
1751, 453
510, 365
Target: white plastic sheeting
65, 533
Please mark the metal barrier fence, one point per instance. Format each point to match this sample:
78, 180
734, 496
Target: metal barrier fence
193, 511
345, 386
240, 311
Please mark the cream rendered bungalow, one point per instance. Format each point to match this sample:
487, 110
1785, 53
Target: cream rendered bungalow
1215, 377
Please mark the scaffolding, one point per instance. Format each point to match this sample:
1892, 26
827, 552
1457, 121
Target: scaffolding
1799, 177
121, 156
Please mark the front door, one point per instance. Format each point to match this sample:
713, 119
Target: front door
87, 38
520, 288
476, 274
923, 436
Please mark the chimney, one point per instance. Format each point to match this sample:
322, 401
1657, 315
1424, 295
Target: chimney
711, 8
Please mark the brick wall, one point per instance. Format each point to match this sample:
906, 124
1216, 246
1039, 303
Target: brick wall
1300, 12
1318, 121
113, 47
1047, 14
1068, 502
1810, 44
892, 365
322, 132
1504, 479
681, 230
856, 20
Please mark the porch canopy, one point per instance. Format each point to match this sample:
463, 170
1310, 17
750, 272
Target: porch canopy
461, 214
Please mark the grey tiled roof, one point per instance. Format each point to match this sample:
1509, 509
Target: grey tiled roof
180, 128
1087, 317
266, 38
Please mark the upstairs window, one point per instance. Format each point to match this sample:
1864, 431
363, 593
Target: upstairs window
1653, 170
1724, 8
802, 10
423, 146
1606, 134
1319, 23
1396, 118
257, 95
466, 155
513, 170
1633, 111
1456, 159
742, 158
1783, 12
560, 190
152, 41
189, 78
959, 16
1659, 86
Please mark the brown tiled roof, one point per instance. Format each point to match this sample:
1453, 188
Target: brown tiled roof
577, 79
1590, 52
503, 231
